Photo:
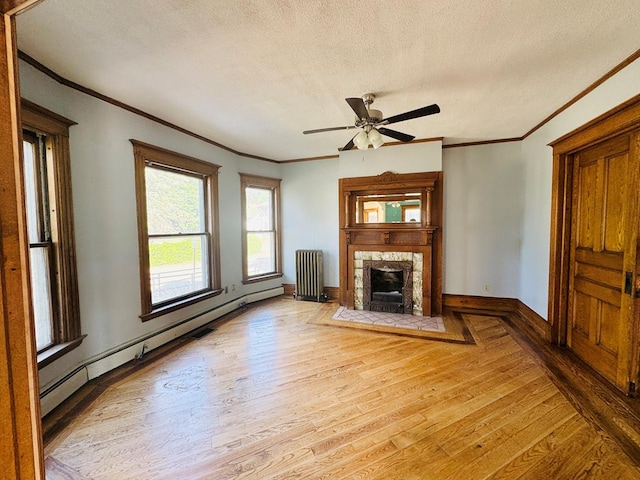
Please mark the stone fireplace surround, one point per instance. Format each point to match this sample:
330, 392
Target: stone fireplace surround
358, 272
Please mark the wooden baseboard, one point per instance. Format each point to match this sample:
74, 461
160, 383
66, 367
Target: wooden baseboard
332, 293
527, 321
534, 321
481, 303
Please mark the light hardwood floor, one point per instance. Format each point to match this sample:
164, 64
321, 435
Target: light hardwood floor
268, 395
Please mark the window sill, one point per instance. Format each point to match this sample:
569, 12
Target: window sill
261, 278
158, 312
57, 351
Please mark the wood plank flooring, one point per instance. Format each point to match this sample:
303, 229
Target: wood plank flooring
270, 395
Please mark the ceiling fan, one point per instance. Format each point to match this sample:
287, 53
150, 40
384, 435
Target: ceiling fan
371, 122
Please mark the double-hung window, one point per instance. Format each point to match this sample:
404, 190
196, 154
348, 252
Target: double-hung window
260, 201
50, 232
177, 229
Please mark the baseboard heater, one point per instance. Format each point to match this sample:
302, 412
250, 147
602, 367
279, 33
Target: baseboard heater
309, 276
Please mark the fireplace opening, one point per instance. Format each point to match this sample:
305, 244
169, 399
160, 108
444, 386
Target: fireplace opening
388, 286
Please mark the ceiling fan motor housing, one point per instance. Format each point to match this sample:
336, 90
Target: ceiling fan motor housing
375, 116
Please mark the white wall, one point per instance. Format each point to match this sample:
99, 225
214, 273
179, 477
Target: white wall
538, 161
310, 215
105, 217
409, 158
482, 215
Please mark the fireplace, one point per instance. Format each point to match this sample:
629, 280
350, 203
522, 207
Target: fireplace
387, 286
392, 217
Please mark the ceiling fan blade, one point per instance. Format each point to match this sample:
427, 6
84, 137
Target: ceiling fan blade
403, 137
358, 106
349, 145
420, 112
330, 129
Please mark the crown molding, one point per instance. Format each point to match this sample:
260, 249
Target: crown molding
64, 81
626, 62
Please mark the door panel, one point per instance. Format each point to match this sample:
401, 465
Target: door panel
613, 220
601, 232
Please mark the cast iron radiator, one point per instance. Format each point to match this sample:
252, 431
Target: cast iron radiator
309, 276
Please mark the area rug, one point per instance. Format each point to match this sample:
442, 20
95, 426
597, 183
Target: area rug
449, 328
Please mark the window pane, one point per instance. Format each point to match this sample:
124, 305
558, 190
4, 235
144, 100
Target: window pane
261, 258
259, 209
175, 202
41, 295
31, 191
178, 266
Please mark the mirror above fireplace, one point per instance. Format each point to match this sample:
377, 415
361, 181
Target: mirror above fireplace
389, 208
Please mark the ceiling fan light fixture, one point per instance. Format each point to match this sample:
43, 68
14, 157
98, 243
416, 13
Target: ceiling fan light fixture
361, 140
375, 138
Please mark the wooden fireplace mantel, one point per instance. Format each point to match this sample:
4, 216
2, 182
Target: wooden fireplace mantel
423, 237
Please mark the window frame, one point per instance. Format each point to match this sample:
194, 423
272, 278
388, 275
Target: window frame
66, 326
267, 183
151, 155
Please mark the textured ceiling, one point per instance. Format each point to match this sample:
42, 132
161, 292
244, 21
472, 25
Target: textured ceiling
253, 74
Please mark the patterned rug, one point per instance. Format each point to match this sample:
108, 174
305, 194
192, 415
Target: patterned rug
449, 328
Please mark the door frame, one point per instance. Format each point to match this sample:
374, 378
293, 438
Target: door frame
21, 441
617, 121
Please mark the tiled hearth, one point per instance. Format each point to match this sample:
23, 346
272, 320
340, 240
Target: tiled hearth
397, 320
415, 258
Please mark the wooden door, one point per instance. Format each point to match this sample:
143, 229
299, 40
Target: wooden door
604, 232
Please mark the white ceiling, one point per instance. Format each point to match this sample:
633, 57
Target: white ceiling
253, 74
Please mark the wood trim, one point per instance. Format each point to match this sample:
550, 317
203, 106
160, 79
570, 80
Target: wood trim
21, 440
68, 83
616, 121
527, 321
532, 320
42, 120
332, 293
67, 299
310, 159
152, 154
143, 154
561, 200
626, 62
160, 311
14, 7
483, 142
52, 354
417, 140
249, 180
495, 304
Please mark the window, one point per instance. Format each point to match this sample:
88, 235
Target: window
260, 228
49, 213
177, 229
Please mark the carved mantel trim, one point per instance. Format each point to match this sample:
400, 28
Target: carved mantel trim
423, 237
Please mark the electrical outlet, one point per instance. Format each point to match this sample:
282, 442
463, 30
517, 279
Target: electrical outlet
233, 287
486, 287
226, 289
